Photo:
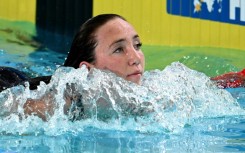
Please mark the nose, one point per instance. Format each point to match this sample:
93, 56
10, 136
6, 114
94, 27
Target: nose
134, 57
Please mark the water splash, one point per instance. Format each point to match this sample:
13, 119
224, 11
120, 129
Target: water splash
166, 101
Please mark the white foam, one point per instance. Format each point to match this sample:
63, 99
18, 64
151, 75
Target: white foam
167, 100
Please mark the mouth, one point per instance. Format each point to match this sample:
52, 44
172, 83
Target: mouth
134, 77
135, 73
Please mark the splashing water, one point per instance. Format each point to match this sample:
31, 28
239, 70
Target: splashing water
167, 101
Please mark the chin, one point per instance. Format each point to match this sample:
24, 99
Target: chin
136, 81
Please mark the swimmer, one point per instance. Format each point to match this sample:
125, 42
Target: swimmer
106, 42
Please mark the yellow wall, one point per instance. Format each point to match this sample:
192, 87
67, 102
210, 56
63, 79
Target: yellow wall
151, 20
22, 10
157, 27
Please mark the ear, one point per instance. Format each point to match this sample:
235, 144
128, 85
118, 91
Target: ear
88, 65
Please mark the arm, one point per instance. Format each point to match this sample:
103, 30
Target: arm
42, 108
45, 106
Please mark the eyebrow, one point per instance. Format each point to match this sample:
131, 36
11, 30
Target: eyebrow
121, 40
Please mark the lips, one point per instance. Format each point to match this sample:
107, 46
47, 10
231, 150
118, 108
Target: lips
135, 77
135, 74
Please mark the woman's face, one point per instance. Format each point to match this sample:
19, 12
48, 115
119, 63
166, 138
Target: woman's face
118, 50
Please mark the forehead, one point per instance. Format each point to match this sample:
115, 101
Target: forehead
115, 28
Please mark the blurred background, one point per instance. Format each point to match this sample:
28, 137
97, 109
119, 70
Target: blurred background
205, 35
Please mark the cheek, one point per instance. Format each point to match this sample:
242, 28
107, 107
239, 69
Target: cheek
100, 65
142, 57
115, 64
100, 60
106, 63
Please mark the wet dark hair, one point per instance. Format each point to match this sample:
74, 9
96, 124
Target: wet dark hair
84, 42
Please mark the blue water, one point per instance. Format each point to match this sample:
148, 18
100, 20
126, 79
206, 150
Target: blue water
176, 109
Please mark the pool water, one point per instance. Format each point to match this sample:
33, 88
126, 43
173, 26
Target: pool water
158, 118
176, 109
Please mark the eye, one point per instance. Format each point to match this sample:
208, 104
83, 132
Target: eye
137, 46
118, 50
